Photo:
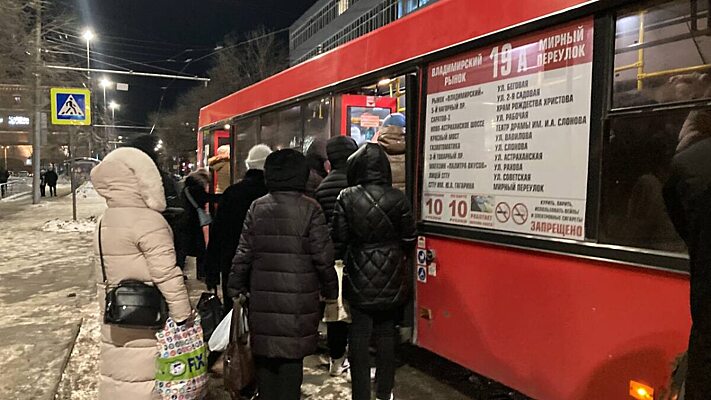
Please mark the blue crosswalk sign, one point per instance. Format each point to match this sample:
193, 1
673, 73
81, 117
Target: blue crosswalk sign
71, 106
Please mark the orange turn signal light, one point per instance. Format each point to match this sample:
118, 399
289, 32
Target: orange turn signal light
640, 391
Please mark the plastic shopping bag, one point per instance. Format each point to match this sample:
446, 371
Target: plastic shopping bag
221, 336
182, 362
338, 311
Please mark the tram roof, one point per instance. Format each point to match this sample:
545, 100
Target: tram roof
435, 27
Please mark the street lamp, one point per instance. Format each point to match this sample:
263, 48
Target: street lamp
105, 83
5, 149
114, 106
88, 35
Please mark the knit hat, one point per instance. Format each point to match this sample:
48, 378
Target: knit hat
257, 156
339, 148
397, 119
286, 170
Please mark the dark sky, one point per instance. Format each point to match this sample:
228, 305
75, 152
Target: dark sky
156, 31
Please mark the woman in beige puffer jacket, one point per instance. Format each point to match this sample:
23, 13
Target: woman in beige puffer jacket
137, 244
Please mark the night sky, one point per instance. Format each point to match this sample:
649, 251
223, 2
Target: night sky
160, 32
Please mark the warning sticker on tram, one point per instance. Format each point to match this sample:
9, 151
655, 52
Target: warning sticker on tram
507, 134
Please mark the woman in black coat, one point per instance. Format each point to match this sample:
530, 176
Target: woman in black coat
190, 233
373, 230
229, 219
284, 261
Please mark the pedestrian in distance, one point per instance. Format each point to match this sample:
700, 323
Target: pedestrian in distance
284, 261
136, 243
373, 230
220, 167
43, 183
338, 150
392, 137
195, 197
687, 194
51, 178
231, 212
4, 177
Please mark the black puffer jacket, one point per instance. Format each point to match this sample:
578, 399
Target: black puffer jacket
339, 149
373, 239
688, 199
284, 260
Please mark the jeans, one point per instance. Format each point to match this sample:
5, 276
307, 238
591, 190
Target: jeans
337, 335
279, 378
381, 324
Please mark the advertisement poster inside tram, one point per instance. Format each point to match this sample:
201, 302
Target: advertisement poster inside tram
507, 134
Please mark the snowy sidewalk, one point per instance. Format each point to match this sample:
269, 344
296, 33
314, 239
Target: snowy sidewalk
46, 289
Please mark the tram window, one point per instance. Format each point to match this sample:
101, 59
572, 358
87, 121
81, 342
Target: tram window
282, 129
636, 164
245, 138
317, 121
662, 53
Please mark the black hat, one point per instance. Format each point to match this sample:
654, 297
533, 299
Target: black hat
286, 171
339, 149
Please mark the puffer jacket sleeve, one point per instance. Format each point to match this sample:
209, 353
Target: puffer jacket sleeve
321, 250
157, 247
339, 230
244, 256
407, 224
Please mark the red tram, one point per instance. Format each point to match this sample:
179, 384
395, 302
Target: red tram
539, 137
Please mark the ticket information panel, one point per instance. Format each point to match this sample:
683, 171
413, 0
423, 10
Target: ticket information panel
507, 134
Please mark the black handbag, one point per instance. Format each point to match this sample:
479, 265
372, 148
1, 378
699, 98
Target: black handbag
210, 309
132, 303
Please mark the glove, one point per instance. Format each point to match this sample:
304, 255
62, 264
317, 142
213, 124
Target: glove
187, 322
232, 292
243, 299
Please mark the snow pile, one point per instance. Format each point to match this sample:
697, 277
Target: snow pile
62, 226
86, 190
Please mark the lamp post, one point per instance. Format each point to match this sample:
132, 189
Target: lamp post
5, 150
114, 106
88, 35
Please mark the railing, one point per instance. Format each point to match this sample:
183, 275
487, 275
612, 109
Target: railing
13, 188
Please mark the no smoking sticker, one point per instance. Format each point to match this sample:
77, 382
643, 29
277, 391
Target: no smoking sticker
503, 212
520, 214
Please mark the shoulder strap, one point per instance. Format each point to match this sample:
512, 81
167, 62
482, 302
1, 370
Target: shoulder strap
377, 206
101, 254
190, 198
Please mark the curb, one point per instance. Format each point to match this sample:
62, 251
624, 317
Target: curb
67, 357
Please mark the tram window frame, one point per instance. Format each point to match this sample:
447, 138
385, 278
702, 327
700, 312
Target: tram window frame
663, 110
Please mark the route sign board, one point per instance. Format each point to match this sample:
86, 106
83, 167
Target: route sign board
71, 106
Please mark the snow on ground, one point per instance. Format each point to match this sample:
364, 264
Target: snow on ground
65, 226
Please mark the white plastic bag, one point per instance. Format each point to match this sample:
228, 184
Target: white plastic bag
338, 311
221, 336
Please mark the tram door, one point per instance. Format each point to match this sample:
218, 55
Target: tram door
386, 112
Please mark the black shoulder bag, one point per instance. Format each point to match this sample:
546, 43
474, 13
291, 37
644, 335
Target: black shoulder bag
132, 303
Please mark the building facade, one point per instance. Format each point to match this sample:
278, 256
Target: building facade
331, 23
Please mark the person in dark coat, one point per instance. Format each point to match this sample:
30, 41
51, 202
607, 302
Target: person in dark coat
687, 194
338, 149
316, 158
229, 219
51, 178
173, 213
4, 177
43, 183
373, 230
190, 230
284, 261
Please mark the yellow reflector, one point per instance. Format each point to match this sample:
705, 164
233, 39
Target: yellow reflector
640, 391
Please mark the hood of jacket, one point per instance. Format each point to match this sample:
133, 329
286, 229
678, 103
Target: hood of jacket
392, 138
286, 171
339, 149
128, 177
369, 165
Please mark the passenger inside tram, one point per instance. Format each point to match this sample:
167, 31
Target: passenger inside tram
659, 70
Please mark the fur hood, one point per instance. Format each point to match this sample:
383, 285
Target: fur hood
127, 177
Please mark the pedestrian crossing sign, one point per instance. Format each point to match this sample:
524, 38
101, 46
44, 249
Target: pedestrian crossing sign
71, 106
